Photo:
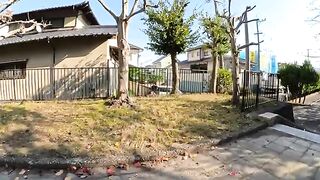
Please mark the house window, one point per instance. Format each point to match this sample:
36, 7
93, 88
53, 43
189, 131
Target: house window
198, 53
198, 68
206, 53
56, 23
13, 70
192, 54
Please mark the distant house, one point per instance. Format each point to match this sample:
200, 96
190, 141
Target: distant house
54, 62
162, 62
135, 55
199, 58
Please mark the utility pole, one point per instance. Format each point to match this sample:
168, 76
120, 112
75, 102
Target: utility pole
308, 54
258, 38
247, 41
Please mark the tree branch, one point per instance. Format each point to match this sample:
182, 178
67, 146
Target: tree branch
141, 10
22, 29
252, 20
250, 44
6, 5
241, 19
134, 7
105, 6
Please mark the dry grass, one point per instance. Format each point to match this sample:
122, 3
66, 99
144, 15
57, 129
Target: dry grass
88, 128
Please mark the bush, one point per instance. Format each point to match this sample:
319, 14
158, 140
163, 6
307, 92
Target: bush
224, 84
301, 80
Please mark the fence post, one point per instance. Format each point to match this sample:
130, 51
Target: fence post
258, 90
278, 86
14, 85
167, 81
202, 82
243, 90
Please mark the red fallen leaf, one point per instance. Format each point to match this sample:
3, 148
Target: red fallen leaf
111, 171
233, 173
72, 169
86, 170
137, 164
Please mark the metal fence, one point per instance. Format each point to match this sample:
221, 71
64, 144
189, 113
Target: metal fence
258, 88
94, 82
145, 81
57, 83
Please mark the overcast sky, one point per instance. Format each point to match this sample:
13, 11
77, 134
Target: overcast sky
287, 33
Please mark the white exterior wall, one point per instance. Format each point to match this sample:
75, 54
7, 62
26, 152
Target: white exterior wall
166, 62
194, 55
81, 21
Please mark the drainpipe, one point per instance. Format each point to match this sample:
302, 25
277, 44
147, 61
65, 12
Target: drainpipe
52, 72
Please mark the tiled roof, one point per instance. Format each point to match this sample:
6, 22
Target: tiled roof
84, 6
132, 46
62, 33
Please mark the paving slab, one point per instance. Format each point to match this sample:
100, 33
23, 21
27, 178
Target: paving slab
269, 154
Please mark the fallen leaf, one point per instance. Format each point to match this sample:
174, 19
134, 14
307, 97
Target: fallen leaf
233, 173
164, 159
137, 165
111, 171
59, 173
73, 169
22, 172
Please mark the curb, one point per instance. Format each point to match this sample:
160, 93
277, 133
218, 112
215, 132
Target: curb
61, 163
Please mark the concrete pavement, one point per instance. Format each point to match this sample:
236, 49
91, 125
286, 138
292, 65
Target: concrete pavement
308, 116
269, 154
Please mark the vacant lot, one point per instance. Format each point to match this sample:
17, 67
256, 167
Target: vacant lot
89, 128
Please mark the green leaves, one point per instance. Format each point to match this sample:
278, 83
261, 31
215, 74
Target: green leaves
168, 29
298, 78
215, 29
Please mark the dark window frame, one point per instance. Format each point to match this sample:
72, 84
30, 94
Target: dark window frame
61, 25
13, 70
199, 68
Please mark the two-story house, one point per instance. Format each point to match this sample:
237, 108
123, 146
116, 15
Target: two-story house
72, 41
162, 62
199, 58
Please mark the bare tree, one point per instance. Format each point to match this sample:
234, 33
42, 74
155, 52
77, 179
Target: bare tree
234, 23
22, 26
122, 21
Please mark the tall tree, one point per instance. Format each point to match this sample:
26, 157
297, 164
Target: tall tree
234, 23
217, 41
122, 21
21, 26
170, 32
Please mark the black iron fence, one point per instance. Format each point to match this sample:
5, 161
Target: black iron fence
258, 88
145, 81
93, 82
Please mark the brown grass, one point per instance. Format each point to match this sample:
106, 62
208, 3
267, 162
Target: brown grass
88, 128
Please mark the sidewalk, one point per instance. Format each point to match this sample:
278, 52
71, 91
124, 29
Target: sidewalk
268, 154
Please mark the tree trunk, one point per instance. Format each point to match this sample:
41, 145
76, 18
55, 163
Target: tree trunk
214, 74
124, 49
175, 74
221, 61
235, 71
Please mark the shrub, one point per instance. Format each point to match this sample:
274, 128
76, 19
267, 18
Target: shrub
301, 80
224, 84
